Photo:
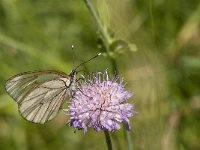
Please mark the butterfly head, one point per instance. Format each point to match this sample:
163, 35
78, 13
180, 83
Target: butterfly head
73, 73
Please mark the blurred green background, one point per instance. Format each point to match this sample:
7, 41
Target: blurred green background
154, 44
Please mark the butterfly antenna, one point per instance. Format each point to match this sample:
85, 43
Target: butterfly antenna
87, 61
73, 55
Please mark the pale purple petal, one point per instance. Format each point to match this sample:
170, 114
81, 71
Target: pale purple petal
100, 103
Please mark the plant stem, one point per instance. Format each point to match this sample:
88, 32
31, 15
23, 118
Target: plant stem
114, 66
108, 140
96, 17
105, 36
128, 139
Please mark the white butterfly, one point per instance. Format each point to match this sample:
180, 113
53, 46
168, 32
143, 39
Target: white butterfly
40, 94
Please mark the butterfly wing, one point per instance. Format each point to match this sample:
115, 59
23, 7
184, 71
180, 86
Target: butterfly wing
39, 94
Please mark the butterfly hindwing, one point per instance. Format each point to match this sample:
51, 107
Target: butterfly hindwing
39, 94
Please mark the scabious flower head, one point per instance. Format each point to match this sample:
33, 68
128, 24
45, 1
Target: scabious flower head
100, 103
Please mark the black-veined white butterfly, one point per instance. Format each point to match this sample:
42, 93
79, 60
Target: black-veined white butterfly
40, 94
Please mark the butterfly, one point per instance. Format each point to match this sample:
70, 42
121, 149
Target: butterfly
41, 94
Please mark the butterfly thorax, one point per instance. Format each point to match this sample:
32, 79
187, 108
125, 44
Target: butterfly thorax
72, 83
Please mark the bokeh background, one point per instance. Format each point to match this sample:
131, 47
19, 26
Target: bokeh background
154, 44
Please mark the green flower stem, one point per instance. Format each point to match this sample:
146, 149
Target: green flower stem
104, 34
114, 66
108, 140
128, 139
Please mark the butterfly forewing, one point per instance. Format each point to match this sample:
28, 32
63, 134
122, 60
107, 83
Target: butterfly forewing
39, 94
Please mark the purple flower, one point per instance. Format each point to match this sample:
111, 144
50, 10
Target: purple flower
100, 103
